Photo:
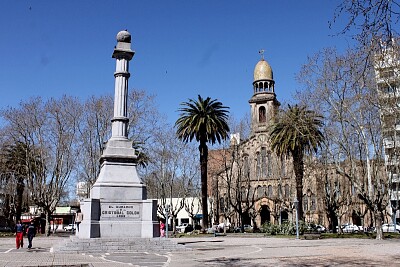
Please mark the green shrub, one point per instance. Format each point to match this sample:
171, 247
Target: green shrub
286, 228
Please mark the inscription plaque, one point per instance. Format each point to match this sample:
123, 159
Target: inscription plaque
130, 211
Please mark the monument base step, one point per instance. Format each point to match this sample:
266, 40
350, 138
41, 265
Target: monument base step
97, 245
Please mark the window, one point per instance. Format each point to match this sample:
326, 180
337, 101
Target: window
246, 167
287, 191
305, 203
262, 115
263, 162
387, 89
385, 74
260, 192
243, 191
270, 191
258, 167
313, 203
283, 167
269, 165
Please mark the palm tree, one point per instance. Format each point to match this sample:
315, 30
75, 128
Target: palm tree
206, 121
15, 163
296, 133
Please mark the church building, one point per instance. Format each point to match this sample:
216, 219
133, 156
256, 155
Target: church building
248, 183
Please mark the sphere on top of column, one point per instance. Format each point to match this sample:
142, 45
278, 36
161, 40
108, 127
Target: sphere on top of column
124, 36
123, 48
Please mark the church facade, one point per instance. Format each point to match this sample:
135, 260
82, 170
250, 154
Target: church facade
249, 184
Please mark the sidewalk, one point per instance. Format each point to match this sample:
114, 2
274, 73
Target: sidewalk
40, 255
232, 251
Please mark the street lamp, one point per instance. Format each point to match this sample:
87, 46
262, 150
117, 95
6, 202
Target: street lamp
296, 206
166, 211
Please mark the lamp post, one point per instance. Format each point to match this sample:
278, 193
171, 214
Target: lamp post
166, 211
296, 206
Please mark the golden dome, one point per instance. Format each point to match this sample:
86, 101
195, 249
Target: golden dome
263, 71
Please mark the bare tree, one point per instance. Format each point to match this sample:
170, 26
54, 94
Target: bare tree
48, 132
369, 19
172, 172
235, 181
343, 89
95, 130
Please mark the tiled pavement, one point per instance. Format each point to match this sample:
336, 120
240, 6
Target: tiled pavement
232, 251
40, 255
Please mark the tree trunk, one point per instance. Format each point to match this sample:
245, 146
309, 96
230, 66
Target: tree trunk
48, 227
18, 202
378, 225
298, 165
204, 201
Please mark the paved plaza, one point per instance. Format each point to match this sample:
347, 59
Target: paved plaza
218, 251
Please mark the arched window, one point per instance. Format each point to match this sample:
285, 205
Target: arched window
263, 162
262, 117
313, 203
283, 167
287, 191
243, 191
305, 203
269, 164
246, 167
260, 192
270, 191
265, 190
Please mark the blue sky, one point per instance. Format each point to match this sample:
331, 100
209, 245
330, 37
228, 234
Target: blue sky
183, 48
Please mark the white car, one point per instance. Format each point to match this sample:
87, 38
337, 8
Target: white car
184, 228
392, 228
70, 227
351, 228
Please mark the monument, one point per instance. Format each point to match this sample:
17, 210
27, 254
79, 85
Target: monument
118, 205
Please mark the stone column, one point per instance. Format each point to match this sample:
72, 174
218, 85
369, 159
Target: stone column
123, 54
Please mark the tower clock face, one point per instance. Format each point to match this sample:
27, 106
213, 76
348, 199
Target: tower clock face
261, 138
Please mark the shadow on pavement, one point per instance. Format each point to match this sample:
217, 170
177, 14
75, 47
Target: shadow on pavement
200, 241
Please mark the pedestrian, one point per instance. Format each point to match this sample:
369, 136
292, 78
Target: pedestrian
19, 234
31, 231
78, 218
162, 229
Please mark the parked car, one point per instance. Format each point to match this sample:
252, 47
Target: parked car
70, 227
184, 228
391, 228
5, 229
212, 229
320, 228
351, 228
316, 228
247, 228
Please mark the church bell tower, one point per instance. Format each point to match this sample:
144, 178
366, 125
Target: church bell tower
263, 103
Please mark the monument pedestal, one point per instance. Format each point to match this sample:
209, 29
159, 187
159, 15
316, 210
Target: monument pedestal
114, 219
118, 205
